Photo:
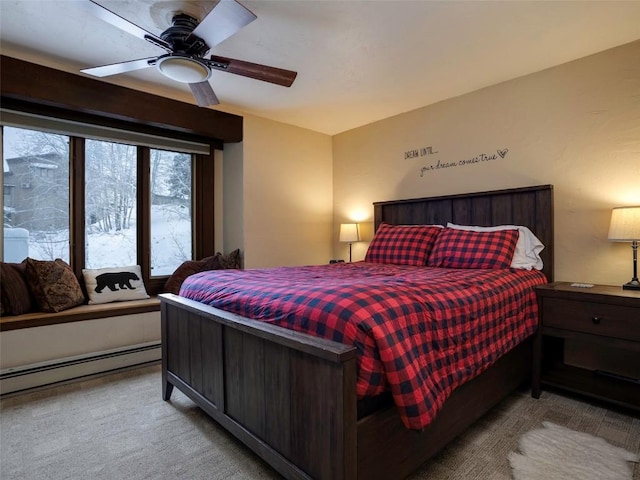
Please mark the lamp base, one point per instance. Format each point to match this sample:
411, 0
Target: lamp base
633, 284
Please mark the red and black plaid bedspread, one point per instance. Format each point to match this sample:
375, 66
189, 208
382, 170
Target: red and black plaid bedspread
420, 332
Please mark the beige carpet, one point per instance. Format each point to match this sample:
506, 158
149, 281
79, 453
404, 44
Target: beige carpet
118, 427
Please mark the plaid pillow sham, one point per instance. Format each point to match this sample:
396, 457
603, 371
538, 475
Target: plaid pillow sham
402, 244
528, 246
467, 249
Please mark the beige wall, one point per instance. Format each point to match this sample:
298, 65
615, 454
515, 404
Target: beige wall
232, 219
286, 198
576, 126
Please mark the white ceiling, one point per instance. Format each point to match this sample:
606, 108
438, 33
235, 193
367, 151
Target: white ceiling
357, 61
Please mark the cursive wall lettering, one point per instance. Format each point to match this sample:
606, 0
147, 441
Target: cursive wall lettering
482, 157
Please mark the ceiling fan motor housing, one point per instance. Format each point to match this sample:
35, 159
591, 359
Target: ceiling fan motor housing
180, 36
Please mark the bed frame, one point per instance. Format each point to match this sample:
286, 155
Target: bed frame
291, 397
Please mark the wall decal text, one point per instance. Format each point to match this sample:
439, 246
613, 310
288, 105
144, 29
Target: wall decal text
482, 157
419, 152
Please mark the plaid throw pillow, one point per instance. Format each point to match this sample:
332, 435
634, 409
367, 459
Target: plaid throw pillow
467, 249
402, 244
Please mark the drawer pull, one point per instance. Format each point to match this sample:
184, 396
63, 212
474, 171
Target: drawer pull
596, 320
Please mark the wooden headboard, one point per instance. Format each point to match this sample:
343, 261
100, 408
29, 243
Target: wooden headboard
528, 206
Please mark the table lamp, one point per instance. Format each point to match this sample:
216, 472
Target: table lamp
625, 227
349, 233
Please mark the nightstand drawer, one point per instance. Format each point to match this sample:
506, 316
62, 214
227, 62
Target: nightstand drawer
594, 318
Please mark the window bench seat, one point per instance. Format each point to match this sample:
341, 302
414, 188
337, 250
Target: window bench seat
81, 312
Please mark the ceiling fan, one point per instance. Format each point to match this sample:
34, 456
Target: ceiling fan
186, 42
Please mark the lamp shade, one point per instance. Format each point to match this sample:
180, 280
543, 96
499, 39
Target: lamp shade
349, 232
625, 224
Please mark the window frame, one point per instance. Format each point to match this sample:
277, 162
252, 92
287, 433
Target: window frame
202, 196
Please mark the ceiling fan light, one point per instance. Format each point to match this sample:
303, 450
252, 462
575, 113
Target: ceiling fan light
183, 69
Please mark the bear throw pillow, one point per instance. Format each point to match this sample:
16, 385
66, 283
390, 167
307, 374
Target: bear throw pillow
114, 284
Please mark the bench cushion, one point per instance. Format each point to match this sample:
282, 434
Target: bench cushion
79, 313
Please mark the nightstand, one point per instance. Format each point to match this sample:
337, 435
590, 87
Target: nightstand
603, 317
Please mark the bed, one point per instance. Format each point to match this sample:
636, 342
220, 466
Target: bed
292, 397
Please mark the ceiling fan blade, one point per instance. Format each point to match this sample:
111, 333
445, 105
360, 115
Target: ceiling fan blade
122, 67
204, 94
225, 19
116, 20
265, 73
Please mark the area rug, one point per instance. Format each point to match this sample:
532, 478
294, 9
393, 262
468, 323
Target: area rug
556, 452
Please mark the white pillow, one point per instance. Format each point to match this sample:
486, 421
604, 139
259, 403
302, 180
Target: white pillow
527, 253
114, 284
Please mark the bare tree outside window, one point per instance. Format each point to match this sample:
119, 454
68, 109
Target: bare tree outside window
110, 204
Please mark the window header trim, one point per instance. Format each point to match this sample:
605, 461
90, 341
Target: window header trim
32, 121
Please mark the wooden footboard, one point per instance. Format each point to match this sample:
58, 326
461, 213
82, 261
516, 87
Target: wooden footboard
265, 384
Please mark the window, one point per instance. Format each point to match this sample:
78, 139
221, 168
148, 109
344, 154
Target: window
110, 204
171, 211
36, 195
130, 204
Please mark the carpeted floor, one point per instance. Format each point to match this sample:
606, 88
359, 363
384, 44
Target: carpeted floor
118, 427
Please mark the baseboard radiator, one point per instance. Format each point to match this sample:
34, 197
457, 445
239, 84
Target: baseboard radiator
47, 373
